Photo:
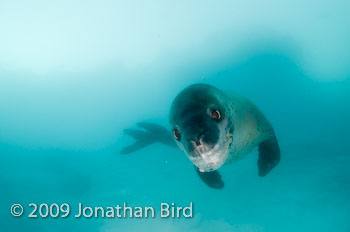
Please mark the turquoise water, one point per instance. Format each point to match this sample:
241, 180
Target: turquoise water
74, 75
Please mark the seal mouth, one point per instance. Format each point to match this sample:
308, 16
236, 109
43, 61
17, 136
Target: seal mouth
208, 160
208, 157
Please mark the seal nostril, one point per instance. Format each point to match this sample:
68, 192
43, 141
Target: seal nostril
200, 137
198, 140
195, 142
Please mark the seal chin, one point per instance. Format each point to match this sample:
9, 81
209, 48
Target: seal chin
209, 160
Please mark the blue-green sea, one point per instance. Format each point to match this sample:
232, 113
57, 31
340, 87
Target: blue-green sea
75, 74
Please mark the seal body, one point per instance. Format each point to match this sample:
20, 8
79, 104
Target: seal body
250, 127
214, 128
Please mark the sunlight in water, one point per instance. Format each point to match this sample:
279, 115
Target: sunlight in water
43, 38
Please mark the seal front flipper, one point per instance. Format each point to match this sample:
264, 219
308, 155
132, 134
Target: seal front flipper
269, 156
212, 179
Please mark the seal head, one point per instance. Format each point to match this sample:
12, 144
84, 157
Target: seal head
201, 126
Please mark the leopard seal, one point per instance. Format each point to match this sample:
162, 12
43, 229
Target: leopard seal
214, 128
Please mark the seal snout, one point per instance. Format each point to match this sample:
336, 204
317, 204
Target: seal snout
197, 140
199, 144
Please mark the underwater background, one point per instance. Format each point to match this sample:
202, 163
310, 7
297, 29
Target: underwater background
75, 74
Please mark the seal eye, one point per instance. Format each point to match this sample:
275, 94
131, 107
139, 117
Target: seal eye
177, 134
215, 114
